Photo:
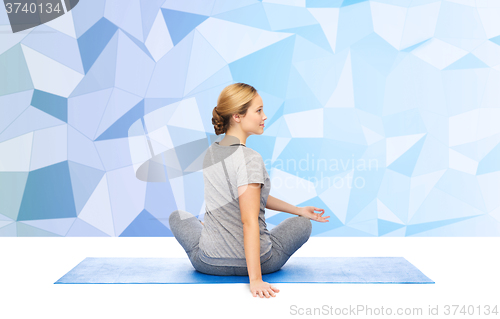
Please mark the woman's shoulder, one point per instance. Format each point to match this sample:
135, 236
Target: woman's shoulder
251, 153
236, 153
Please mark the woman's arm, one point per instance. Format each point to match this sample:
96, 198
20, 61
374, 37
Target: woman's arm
307, 211
251, 238
279, 205
249, 201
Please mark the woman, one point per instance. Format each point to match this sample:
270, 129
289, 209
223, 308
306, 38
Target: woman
234, 239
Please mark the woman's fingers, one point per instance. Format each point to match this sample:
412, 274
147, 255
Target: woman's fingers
320, 218
266, 293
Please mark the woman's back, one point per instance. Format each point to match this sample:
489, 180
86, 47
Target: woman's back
225, 168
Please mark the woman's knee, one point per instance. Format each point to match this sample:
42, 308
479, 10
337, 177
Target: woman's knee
292, 230
178, 215
306, 225
173, 216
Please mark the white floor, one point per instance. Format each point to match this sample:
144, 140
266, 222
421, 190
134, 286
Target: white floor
466, 272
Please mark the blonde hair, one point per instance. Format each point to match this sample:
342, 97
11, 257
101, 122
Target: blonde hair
234, 99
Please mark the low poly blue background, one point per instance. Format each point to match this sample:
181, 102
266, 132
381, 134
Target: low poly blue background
385, 113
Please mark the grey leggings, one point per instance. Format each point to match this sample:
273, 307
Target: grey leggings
286, 238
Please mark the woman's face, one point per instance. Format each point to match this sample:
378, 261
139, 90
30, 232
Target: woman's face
253, 121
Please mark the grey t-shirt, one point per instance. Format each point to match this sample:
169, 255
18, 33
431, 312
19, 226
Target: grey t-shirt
225, 168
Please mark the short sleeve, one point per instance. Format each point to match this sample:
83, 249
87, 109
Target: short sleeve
251, 170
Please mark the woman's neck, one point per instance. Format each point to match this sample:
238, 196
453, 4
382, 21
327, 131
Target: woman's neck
231, 139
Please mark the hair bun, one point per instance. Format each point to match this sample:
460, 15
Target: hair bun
216, 122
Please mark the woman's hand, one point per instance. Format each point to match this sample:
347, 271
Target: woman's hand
262, 288
308, 211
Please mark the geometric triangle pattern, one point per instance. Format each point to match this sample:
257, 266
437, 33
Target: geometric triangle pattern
384, 113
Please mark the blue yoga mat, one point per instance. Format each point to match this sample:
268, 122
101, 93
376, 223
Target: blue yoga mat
337, 270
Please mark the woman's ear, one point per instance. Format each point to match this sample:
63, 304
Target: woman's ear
236, 118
